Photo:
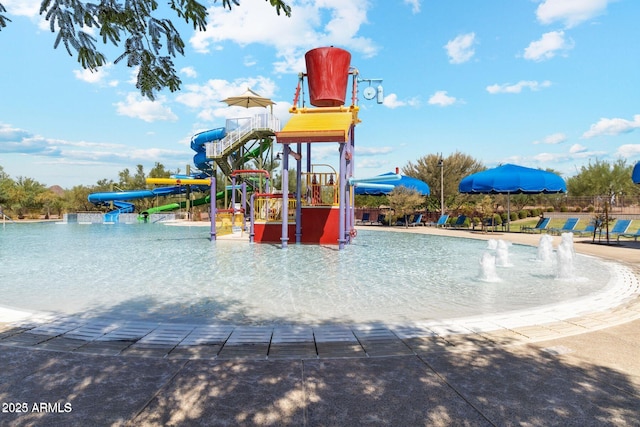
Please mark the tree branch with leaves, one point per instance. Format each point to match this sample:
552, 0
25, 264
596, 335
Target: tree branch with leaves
150, 41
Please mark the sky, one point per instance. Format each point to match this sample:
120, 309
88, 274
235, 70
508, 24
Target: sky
539, 83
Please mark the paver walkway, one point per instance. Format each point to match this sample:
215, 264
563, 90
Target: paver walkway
582, 371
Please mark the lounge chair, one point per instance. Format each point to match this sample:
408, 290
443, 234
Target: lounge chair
633, 236
460, 222
542, 225
620, 227
442, 221
365, 218
588, 230
417, 220
568, 226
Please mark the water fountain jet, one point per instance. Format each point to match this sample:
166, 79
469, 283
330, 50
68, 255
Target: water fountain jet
488, 268
566, 255
545, 249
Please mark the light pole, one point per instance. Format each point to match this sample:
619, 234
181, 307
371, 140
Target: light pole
441, 166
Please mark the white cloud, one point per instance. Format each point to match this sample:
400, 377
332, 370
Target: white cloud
460, 49
548, 46
189, 72
290, 37
577, 148
28, 8
575, 152
441, 99
372, 151
392, 101
249, 61
142, 108
415, 5
518, 87
628, 150
208, 97
570, 12
556, 138
549, 157
372, 163
614, 126
95, 77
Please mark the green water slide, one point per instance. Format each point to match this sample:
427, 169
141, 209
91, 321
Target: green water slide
263, 146
180, 205
205, 200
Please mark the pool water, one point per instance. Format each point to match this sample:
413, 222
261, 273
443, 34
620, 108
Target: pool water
164, 273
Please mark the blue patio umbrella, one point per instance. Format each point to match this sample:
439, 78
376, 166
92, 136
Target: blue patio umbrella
512, 179
379, 186
635, 176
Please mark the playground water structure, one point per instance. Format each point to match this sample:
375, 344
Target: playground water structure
154, 272
326, 198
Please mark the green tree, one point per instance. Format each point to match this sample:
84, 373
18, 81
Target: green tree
24, 196
454, 167
405, 201
49, 201
77, 198
159, 171
150, 39
139, 179
602, 178
125, 179
5, 184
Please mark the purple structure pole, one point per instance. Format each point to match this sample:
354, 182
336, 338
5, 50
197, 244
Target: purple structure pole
350, 173
252, 216
342, 196
285, 196
244, 203
212, 209
299, 194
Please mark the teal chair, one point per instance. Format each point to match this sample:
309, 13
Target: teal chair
568, 226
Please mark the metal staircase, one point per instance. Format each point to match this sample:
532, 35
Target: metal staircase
241, 132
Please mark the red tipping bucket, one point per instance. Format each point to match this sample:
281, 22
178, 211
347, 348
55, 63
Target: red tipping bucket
328, 75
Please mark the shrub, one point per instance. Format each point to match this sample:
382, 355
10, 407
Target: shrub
591, 209
523, 214
563, 208
550, 209
497, 219
514, 216
535, 212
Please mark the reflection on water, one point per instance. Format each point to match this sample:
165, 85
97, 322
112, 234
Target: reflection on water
175, 273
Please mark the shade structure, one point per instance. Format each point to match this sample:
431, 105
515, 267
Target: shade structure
512, 179
247, 100
380, 187
317, 127
635, 176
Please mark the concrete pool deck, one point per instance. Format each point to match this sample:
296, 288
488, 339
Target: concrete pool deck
578, 371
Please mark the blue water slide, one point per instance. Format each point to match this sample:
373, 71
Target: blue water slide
198, 142
118, 199
121, 207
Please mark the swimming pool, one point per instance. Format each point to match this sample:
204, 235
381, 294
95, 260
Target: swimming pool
162, 273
